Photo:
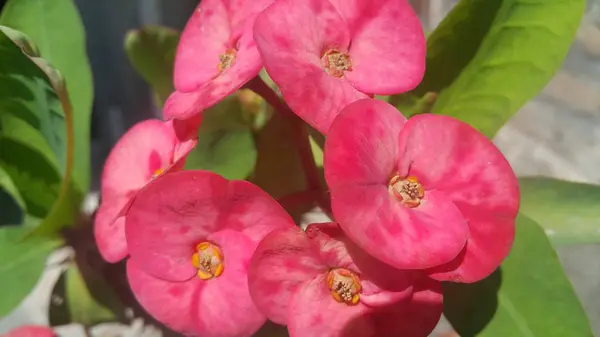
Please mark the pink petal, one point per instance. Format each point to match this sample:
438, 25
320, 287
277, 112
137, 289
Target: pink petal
388, 45
180, 210
361, 155
205, 37
417, 318
186, 132
362, 144
314, 313
143, 149
186, 104
109, 230
292, 36
476, 177
289, 258
225, 307
170, 217
171, 303
426, 236
283, 261
30, 331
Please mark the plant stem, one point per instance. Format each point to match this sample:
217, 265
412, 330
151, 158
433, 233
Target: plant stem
299, 136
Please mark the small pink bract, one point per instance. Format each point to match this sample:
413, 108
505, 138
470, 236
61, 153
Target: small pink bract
325, 54
173, 220
146, 151
294, 275
216, 55
430, 192
30, 331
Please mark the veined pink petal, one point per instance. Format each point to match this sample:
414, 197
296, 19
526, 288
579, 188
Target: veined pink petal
225, 308
362, 145
109, 230
205, 37
476, 177
186, 104
314, 313
292, 37
169, 302
361, 156
145, 148
283, 261
388, 45
30, 331
180, 210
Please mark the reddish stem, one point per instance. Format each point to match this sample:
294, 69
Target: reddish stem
300, 133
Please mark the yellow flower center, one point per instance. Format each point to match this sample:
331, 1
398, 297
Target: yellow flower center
344, 286
208, 259
336, 62
407, 190
226, 60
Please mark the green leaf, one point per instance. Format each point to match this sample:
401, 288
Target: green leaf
21, 264
26, 94
83, 304
489, 57
151, 51
225, 142
528, 296
13, 206
57, 30
568, 211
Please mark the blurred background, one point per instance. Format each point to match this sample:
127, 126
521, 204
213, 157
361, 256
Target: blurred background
557, 134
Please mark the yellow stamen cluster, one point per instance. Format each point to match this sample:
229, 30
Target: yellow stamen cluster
208, 259
344, 286
407, 190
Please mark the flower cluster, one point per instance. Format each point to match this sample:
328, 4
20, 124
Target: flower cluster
414, 202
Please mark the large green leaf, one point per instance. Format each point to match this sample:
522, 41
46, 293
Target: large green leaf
26, 94
56, 28
489, 57
225, 142
568, 211
528, 296
21, 264
151, 50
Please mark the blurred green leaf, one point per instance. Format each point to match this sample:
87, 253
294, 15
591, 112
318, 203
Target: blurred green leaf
278, 168
57, 30
568, 211
489, 57
13, 206
151, 51
225, 142
21, 264
83, 304
528, 296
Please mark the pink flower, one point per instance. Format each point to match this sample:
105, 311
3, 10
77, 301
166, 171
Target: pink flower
319, 283
30, 331
148, 149
216, 55
430, 192
191, 235
325, 54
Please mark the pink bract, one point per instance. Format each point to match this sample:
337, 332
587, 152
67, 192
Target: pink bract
290, 281
377, 47
216, 55
30, 331
463, 227
167, 223
145, 151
